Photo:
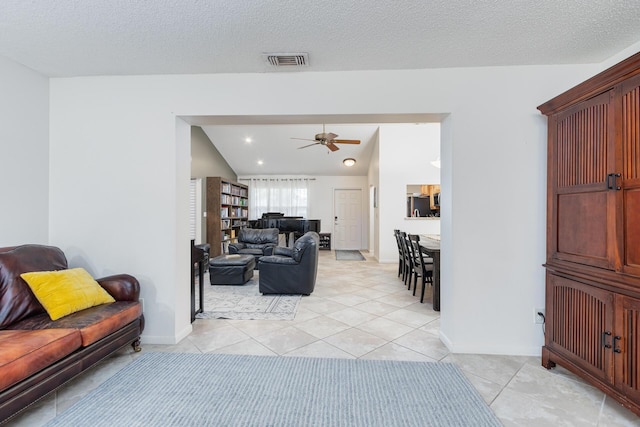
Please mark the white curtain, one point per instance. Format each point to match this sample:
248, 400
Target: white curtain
286, 195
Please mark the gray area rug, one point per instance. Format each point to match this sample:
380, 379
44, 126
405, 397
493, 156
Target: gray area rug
180, 389
343, 255
245, 302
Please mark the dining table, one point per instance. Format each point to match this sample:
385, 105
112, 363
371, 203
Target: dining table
430, 245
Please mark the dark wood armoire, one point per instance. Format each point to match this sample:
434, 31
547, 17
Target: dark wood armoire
593, 232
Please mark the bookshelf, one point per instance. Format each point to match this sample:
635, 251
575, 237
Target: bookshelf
227, 212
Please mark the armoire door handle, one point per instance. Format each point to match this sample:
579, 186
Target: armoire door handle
612, 181
605, 344
616, 339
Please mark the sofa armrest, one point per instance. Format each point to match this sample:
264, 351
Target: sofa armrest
235, 247
269, 249
122, 287
281, 250
274, 261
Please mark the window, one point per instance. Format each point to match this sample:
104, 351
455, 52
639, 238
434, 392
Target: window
286, 195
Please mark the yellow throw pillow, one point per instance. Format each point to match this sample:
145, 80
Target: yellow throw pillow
66, 291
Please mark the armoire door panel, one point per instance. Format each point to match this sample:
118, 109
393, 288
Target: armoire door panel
580, 317
582, 218
627, 346
630, 133
629, 218
582, 143
582, 230
632, 231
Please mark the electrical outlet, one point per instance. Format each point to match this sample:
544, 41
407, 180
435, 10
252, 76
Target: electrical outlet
537, 318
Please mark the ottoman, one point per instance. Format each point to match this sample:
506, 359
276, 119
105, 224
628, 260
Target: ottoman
235, 269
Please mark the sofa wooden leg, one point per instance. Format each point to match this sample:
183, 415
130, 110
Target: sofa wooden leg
136, 345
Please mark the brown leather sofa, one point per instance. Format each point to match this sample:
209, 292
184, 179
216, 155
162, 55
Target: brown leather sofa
37, 355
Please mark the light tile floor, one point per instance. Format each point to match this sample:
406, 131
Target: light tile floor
361, 310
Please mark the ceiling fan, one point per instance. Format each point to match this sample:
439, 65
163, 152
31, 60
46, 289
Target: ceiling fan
328, 140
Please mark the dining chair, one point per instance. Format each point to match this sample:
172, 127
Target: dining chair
396, 234
423, 266
408, 260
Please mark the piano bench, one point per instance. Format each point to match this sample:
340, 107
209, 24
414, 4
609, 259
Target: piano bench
235, 269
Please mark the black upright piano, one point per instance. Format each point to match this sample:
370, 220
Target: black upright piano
287, 224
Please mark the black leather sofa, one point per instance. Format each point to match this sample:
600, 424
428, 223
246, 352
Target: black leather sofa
291, 270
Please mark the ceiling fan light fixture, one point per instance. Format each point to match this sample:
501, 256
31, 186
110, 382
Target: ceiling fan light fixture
348, 162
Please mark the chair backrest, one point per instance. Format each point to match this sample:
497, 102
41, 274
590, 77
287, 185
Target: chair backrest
414, 244
305, 253
418, 254
258, 236
306, 245
396, 234
406, 250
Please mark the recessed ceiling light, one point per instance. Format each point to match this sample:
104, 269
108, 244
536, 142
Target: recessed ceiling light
260, 162
349, 162
248, 140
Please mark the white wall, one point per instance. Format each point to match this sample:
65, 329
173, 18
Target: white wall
373, 177
206, 160
406, 152
115, 184
24, 150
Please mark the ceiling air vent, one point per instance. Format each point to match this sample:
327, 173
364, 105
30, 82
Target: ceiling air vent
287, 59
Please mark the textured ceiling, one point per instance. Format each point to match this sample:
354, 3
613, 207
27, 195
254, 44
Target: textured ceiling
119, 37
64, 38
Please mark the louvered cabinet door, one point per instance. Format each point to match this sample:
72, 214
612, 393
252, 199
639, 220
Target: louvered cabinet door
629, 194
582, 208
627, 346
579, 325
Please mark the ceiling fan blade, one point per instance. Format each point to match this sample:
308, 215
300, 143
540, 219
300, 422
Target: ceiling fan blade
305, 139
330, 135
308, 145
346, 141
331, 146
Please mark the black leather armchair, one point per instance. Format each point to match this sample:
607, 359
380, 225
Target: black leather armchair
256, 242
291, 270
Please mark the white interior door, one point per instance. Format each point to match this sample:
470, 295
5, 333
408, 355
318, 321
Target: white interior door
347, 224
